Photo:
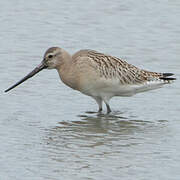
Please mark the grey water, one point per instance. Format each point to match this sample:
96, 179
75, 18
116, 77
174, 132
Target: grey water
46, 129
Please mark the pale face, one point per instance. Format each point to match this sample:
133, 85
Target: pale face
52, 57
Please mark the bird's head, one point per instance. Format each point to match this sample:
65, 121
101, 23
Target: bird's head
54, 58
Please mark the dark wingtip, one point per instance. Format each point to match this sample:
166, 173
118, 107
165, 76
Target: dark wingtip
166, 77
167, 74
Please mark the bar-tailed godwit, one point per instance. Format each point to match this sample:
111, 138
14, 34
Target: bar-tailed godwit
99, 75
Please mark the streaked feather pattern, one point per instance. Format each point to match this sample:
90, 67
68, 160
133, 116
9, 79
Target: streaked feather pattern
112, 68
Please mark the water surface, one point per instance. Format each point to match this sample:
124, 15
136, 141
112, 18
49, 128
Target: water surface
46, 131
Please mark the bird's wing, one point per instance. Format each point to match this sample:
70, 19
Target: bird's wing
114, 68
113, 75
110, 67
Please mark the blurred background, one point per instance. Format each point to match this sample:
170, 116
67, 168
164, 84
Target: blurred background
46, 131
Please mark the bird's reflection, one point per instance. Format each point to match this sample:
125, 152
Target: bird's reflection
96, 129
96, 135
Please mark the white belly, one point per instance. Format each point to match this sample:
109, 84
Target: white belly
110, 88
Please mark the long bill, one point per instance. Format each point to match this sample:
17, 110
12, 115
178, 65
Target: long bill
39, 68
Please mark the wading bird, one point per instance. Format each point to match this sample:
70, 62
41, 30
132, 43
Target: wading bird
99, 75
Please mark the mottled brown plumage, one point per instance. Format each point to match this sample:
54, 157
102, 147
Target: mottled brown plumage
112, 67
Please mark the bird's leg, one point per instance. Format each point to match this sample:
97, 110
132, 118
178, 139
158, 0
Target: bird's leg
99, 102
100, 109
100, 105
107, 106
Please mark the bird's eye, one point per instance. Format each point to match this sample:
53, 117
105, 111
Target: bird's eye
50, 56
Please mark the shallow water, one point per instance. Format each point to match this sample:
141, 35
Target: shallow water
47, 130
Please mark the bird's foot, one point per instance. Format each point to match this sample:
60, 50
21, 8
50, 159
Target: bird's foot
109, 111
91, 112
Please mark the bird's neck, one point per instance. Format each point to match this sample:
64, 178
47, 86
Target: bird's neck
65, 70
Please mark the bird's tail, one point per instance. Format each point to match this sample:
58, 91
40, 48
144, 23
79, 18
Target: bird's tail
166, 77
